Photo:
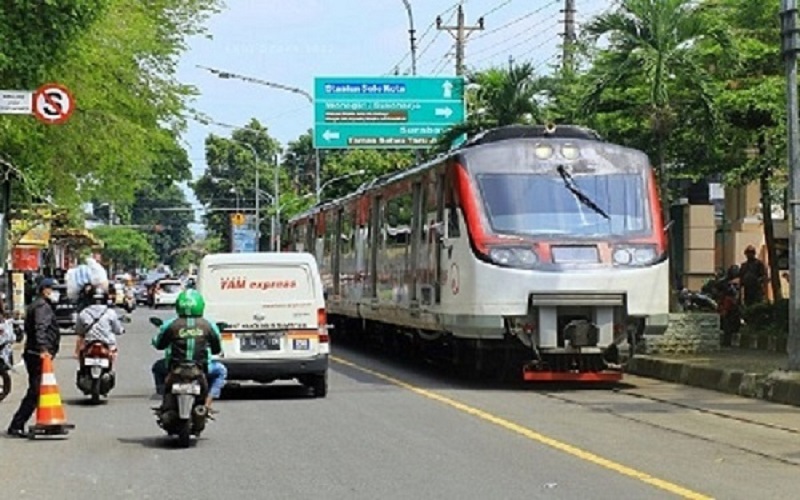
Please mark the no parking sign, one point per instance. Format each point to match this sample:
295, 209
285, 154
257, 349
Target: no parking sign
53, 103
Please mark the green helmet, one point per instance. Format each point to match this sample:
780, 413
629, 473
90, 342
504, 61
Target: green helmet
190, 303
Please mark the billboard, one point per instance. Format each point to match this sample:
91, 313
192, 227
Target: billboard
244, 234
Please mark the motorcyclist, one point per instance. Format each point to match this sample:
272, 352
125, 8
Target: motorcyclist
98, 321
190, 337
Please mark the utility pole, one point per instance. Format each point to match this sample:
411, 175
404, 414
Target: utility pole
510, 62
460, 32
567, 60
791, 45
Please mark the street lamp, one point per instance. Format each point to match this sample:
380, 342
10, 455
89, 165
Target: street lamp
335, 179
411, 38
235, 191
279, 86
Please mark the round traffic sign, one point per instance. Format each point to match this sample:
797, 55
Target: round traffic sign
237, 219
53, 103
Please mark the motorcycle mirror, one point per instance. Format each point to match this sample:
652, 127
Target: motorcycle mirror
156, 321
222, 325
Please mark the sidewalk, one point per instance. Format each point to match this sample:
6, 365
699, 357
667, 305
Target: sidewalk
744, 372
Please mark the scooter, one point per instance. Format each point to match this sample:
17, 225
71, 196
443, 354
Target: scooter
183, 411
95, 373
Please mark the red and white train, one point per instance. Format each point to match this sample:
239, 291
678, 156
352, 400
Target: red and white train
538, 249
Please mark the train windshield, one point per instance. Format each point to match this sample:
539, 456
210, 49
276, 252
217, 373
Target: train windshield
609, 204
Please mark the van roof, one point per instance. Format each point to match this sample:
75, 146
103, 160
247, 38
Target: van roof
260, 258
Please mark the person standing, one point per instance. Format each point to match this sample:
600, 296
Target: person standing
753, 276
42, 339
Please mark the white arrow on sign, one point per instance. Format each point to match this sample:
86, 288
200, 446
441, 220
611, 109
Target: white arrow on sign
447, 90
330, 135
446, 112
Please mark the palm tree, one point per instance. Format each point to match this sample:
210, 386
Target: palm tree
504, 97
654, 41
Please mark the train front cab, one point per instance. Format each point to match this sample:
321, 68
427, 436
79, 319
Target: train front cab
593, 281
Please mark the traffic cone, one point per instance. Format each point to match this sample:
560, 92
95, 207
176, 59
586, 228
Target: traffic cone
50, 418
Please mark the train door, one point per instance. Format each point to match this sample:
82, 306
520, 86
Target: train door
337, 250
440, 234
374, 236
417, 223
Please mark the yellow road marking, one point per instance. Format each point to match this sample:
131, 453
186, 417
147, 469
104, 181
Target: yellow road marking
533, 435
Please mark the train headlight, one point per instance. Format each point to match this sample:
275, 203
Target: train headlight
513, 257
622, 256
644, 255
570, 151
635, 255
502, 256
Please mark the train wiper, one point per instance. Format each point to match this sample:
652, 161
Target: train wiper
569, 183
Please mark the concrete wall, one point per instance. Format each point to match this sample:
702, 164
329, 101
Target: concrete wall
687, 333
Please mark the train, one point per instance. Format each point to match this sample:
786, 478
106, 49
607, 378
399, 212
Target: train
532, 250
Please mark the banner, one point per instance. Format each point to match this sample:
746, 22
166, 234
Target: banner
34, 227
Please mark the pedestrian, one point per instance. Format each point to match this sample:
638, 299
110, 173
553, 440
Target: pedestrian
42, 338
752, 276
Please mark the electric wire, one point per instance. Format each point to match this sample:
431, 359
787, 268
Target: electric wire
515, 21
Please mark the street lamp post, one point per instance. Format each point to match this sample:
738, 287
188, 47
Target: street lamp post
336, 179
279, 86
258, 190
411, 38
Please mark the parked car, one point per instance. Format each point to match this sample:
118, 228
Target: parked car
66, 309
140, 292
166, 293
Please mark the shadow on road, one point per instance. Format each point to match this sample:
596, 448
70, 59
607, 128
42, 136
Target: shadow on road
248, 392
84, 401
157, 442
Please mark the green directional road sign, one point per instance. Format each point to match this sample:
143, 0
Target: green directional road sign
385, 112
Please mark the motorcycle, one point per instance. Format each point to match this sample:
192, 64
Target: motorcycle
183, 411
95, 373
696, 301
129, 301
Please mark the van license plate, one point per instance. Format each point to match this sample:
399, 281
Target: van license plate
260, 342
301, 344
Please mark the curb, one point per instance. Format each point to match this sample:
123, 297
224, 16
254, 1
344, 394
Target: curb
775, 387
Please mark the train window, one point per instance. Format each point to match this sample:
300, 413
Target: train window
348, 241
397, 220
453, 228
330, 233
428, 207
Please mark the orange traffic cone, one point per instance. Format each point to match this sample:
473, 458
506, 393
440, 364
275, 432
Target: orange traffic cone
50, 418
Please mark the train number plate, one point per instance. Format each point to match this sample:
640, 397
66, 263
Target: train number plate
260, 342
301, 344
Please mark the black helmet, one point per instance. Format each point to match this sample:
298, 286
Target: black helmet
100, 296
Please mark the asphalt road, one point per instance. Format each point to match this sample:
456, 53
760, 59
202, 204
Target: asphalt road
389, 429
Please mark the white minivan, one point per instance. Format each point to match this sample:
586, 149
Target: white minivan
273, 309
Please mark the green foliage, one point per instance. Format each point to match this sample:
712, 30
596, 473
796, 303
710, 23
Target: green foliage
230, 176
504, 96
339, 169
768, 317
119, 61
126, 248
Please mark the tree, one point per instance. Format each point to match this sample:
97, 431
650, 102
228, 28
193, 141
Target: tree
505, 96
125, 248
230, 175
751, 103
652, 62
119, 59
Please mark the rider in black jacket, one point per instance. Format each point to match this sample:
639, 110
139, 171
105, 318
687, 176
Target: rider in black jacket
42, 339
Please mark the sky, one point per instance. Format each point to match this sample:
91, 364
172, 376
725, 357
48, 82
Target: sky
290, 42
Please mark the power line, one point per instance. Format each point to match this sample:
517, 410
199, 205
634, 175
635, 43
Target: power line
515, 21
422, 37
498, 7
524, 41
452, 11
460, 32
513, 37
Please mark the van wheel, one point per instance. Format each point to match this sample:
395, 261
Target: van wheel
319, 385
